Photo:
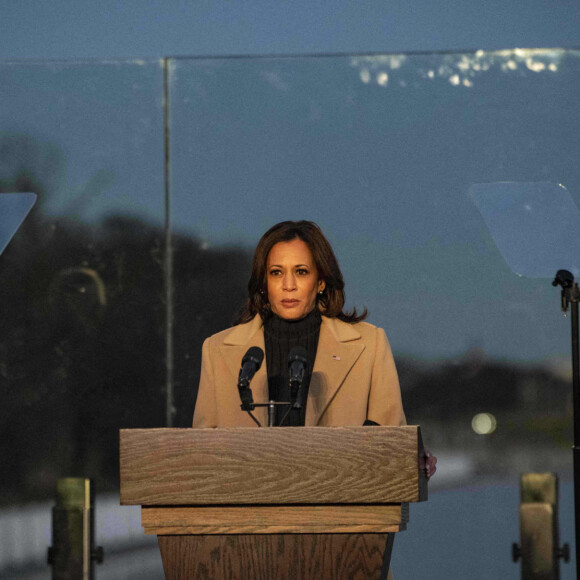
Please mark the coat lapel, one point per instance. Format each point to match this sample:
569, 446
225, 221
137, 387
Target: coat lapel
339, 347
234, 347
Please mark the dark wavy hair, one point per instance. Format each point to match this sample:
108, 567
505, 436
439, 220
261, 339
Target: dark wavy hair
330, 302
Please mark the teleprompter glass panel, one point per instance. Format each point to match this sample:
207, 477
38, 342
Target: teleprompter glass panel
14, 208
534, 226
83, 319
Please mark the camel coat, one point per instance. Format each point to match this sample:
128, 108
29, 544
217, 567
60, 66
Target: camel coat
353, 379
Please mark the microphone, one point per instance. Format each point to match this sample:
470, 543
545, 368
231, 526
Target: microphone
297, 361
251, 362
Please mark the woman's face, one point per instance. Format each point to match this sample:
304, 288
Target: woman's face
292, 280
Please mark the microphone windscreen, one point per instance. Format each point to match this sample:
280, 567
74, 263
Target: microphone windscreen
298, 353
255, 354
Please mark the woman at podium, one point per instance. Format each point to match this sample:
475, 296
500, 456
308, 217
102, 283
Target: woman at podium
296, 298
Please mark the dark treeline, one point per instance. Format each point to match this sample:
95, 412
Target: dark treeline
532, 403
83, 342
83, 352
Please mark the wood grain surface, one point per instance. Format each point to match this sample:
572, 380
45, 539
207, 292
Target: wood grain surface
309, 465
268, 557
274, 519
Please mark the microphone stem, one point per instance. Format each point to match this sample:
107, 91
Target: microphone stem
271, 414
285, 415
254, 418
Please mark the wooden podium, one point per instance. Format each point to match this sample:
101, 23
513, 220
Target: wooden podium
300, 503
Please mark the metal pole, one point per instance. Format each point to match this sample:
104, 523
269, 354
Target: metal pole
576, 448
271, 414
168, 258
570, 297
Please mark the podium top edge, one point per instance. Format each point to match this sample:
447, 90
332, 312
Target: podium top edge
247, 429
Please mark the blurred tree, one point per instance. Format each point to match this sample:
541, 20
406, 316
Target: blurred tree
83, 340
83, 330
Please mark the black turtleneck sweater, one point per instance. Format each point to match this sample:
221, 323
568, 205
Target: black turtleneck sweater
281, 336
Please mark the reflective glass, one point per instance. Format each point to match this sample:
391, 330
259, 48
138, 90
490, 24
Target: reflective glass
82, 346
382, 151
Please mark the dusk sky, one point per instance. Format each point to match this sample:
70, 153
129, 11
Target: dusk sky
136, 29
381, 151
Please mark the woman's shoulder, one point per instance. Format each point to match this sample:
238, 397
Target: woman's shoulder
236, 333
366, 330
219, 337
364, 326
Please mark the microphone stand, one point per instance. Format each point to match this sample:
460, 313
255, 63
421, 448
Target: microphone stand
249, 411
570, 297
271, 412
272, 406
296, 395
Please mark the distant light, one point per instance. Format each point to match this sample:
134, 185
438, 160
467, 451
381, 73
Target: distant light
483, 423
534, 65
383, 79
